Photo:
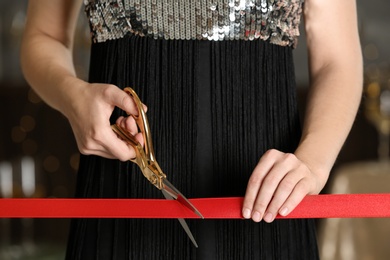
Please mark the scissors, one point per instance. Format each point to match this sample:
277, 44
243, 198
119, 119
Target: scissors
146, 161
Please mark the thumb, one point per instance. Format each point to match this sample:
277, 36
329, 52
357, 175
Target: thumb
121, 99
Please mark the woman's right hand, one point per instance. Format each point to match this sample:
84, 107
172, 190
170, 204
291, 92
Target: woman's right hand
88, 111
47, 63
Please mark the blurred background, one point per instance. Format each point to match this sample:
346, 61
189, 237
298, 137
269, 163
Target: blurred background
39, 157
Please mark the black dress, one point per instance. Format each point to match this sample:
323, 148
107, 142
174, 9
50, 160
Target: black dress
214, 108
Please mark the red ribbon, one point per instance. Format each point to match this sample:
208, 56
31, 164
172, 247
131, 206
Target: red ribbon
314, 206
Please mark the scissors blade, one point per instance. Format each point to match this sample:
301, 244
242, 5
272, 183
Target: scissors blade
182, 221
175, 193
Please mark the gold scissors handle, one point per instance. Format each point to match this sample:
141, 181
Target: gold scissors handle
145, 157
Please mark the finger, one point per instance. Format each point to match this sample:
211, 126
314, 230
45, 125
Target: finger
131, 125
117, 147
123, 123
140, 138
296, 196
145, 108
267, 190
253, 187
283, 191
119, 120
121, 99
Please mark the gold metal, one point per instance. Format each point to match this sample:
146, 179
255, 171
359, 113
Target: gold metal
146, 160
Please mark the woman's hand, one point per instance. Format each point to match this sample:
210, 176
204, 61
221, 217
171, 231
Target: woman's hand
277, 185
89, 115
46, 58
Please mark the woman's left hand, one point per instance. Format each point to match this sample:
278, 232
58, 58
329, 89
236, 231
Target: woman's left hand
277, 185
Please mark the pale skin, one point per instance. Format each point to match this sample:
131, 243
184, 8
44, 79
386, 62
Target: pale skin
280, 180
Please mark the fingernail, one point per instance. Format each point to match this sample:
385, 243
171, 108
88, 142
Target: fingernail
246, 213
268, 217
284, 211
256, 217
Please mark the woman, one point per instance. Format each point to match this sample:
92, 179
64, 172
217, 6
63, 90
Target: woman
218, 80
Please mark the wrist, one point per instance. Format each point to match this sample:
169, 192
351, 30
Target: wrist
70, 91
317, 163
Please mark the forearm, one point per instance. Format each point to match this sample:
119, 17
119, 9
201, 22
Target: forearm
48, 67
336, 80
46, 51
334, 99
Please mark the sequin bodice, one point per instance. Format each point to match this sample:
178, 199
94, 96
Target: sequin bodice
273, 20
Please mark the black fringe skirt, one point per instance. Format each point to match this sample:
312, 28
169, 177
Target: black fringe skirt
214, 108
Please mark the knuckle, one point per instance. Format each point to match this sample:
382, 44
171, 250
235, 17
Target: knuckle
84, 149
126, 102
95, 136
304, 187
88, 146
271, 153
290, 157
254, 180
260, 206
287, 184
107, 91
84, 145
299, 192
271, 181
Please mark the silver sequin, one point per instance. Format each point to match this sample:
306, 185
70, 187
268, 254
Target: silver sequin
274, 20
